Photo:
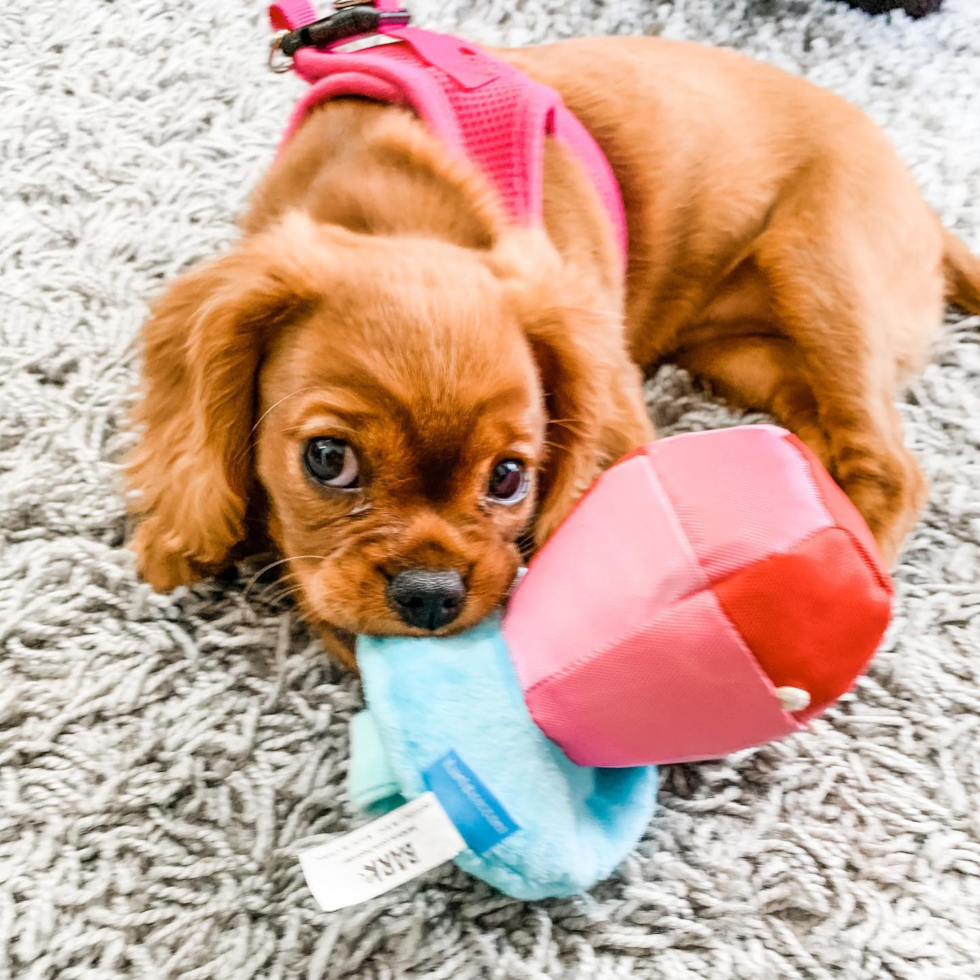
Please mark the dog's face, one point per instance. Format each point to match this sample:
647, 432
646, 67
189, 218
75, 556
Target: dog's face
402, 425
408, 406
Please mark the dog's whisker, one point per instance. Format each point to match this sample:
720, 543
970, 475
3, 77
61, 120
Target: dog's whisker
263, 596
282, 595
569, 424
275, 564
557, 445
274, 406
252, 444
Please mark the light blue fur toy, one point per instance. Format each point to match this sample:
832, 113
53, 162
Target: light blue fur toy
537, 825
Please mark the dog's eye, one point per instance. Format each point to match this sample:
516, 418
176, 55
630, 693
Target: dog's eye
509, 482
332, 462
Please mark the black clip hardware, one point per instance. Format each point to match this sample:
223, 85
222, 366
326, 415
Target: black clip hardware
348, 22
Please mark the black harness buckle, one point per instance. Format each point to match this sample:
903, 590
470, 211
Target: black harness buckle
346, 23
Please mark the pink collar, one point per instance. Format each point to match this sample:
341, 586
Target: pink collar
477, 104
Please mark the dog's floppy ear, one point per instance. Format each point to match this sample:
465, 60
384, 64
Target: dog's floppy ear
575, 333
191, 472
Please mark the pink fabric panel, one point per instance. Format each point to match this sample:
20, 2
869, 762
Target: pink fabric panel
572, 134
619, 562
771, 501
287, 15
682, 688
503, 124
335, 75
463, 62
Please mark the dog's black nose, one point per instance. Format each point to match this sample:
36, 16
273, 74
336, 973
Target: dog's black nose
426, 599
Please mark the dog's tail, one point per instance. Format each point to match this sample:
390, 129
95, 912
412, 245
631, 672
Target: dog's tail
962, 270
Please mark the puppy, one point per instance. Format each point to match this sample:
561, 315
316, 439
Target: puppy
399, 384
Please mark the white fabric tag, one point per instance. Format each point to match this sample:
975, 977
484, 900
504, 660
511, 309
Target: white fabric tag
381, 855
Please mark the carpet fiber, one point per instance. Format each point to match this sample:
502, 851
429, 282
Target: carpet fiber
161, 755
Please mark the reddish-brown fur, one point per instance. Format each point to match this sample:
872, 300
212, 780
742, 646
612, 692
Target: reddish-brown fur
778, 249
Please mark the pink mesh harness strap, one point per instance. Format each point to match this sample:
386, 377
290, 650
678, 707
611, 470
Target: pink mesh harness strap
478, 105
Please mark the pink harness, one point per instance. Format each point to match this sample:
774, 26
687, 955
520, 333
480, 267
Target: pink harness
478, 105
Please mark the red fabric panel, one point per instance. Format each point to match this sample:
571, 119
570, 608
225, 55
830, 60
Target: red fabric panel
814, 616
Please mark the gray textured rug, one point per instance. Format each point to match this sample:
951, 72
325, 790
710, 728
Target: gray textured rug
160, 755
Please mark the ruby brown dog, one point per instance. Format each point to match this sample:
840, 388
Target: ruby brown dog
397, 374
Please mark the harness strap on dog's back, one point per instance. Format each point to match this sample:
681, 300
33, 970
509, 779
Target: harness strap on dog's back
478, 105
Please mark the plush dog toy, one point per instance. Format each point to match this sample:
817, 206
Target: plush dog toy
711, 592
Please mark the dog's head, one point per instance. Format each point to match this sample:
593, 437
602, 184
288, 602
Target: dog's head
409, 408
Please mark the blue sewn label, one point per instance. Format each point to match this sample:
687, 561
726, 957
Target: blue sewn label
476, 812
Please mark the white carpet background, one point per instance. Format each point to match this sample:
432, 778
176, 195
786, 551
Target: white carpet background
160, 755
